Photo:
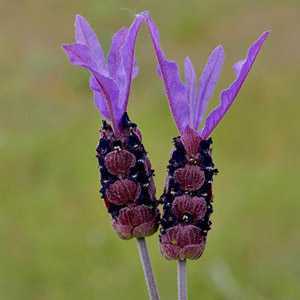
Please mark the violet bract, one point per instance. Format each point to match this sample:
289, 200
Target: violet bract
187, 198
126, 174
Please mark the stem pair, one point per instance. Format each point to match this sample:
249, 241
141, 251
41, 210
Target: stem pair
149, 276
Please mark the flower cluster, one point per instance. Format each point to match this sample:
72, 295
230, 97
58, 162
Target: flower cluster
187, 198
127, 181
126, 174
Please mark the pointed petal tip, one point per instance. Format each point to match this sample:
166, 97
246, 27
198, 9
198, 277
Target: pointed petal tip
144, 13
220, 48
79, 18
188, 60
188, 65
267, 32
64, 47
67, 47
262, 37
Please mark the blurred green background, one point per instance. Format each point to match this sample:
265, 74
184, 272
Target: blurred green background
56, 238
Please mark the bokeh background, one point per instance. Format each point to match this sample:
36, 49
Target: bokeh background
56, 240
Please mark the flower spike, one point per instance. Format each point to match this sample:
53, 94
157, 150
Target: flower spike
126, 175
187, 197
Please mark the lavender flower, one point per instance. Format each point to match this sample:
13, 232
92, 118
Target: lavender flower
126, 174
187, 199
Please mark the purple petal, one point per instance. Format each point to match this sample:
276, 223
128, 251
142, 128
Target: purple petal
79, 55
110, 93
128, 56
158, 71
207, 84
106, 92
174, 88
115, 65
228, 96
84, 34
190, 79
99, 98
110, 83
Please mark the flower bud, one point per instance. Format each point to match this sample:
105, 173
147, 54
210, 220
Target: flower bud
136, 221
186, 206
190, 177
119, 162
191, 141
182, 242
123, 191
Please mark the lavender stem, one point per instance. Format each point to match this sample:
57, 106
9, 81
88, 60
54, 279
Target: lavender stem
148, 273
181, 280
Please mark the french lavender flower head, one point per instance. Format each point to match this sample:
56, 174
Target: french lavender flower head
187, 198
126, 174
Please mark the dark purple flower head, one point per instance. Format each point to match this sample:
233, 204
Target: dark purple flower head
189, 100
111, 77
127, 182
187, 198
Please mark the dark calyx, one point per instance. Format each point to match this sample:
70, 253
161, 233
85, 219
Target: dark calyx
183, 171
124, 157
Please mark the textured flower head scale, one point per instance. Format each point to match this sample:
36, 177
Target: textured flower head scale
187, 199
126, 175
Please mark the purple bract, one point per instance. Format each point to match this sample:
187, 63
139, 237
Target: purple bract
111, 77
188, 100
